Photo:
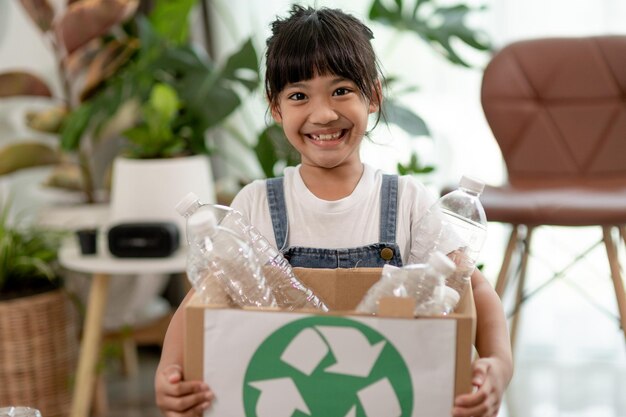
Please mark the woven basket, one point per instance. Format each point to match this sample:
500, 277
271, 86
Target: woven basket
38, 351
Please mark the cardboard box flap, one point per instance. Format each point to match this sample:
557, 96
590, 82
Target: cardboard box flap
341, 289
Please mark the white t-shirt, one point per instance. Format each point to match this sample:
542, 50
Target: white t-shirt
350, 222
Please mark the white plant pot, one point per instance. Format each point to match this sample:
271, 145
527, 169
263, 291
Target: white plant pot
145, 190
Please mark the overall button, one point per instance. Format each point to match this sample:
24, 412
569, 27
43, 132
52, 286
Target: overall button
386, 253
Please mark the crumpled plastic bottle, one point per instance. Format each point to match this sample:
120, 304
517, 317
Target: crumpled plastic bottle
424, 282
289, 291
219, 260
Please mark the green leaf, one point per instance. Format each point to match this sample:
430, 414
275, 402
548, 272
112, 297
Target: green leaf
404, 118
438, 28
266, 153
414, 166
378, 12
74, 126
244, 59
164, 100
273, 147
170, 19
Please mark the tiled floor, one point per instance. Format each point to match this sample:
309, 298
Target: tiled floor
133, 397
570, 357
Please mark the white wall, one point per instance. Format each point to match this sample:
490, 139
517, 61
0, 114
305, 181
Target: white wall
22, 46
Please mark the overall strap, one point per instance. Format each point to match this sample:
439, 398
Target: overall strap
278, 210
388, 208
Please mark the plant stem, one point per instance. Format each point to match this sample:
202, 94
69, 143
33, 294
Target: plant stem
59, 55
85, 170
71, 100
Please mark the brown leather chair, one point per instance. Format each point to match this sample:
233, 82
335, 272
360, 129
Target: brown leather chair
557, 108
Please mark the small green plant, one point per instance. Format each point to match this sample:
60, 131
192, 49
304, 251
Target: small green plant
414, 166
28, 258
154, 135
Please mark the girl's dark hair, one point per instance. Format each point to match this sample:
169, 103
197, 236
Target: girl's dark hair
321, 41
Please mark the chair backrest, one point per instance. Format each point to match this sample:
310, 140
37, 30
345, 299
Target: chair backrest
557, 108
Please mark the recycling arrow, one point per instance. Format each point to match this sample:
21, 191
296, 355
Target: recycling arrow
309, 341
379, 400
279, 398
352, 351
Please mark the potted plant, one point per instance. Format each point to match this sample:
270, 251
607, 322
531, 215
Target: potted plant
120, 69
38, 323
162, 104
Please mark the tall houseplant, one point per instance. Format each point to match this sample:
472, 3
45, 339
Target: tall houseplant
87, 49
152, 47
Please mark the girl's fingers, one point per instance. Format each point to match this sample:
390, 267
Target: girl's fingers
190, 405
477, 411
185, 388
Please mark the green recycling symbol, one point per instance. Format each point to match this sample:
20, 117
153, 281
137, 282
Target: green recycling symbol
327, 366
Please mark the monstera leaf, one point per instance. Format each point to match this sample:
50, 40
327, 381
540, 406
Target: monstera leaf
437, 25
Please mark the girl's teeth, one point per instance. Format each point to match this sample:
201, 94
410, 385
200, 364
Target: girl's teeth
327, 137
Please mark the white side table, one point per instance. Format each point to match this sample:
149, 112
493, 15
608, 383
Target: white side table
101, 266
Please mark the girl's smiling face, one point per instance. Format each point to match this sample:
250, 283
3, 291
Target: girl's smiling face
324, 119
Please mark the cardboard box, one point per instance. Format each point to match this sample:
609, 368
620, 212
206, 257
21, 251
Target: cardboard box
270, 363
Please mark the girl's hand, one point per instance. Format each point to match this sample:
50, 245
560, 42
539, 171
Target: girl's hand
178, 398
489, 386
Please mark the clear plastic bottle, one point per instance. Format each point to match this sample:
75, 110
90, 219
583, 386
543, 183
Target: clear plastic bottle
428, 286
219, 258
384, 287
425, 282
457, 226
202, 279
289, 292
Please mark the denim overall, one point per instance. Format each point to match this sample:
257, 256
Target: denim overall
375, 255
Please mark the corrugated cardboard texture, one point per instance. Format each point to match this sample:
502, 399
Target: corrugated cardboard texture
341, 290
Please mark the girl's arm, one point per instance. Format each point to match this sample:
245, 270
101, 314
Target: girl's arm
174, 395
492, 372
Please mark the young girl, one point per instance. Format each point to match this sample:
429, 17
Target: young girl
333, 211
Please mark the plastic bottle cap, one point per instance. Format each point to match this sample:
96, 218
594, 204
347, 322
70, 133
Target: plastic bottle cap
186, 203
441, 263
203, 222
472, 184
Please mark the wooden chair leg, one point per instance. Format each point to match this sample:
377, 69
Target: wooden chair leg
618, 283
504, 274
100, 402
519, 296
130, 357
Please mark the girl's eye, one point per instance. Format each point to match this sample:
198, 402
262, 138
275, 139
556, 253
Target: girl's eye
342, 91
296, 96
